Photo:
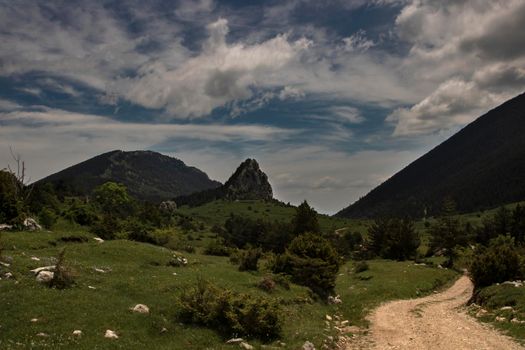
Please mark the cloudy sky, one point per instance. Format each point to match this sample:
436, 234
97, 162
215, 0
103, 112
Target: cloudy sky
331, 97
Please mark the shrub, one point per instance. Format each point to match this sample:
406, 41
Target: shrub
229, 312
360, 266
106, 228
497, 263
392, 238
82, 214
47, 218
218, 248
74, 239
177, 261
139, 232
63, 276
249, 259
311, 261
267, 284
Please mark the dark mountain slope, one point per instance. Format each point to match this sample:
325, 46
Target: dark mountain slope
248, 182
147, 175
481, 166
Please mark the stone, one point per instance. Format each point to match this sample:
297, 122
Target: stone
328, 318
234, 341
42, 334
110, 334
77, 333
505, 308
168, 207
4, 264
34, 320
246, 346
100, 270
141, 309
30, 224
43, 268
5, 227
98, 239
34, 258
45, 276
500, 319
91, 287
334, 300
163, 330
308, 346
8, 275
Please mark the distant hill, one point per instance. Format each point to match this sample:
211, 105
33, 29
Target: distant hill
248, 182
147, 175
482, 166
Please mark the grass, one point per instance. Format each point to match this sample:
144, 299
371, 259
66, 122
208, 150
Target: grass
495, 297
137, 273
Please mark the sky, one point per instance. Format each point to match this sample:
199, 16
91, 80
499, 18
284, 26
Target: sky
331, 97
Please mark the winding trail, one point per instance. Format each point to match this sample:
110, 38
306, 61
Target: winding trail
435, 322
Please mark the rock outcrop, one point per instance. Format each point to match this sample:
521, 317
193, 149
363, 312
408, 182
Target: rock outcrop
248, 182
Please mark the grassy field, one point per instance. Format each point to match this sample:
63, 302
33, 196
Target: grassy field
217, 212
137, 273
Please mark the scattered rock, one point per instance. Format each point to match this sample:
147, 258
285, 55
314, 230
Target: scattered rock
45, 276
235, 341
328, 318
4, 264
110, 334
43, 335
100, 270
246, 346
141, 309
481, 313
30, 224
334, 300
34, 320
98, 239
500, 319
77, 333
308, 346
505, 308
91, 287
43, 268
516, 284
5, 227
34, 258
8, 275
282, 344
163, 330
168, 207
515, 320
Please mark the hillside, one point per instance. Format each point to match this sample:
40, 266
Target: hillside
147, 175
480, 167
248, 182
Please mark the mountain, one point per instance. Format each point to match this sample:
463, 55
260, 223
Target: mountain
482, 166
147, 175
248, 182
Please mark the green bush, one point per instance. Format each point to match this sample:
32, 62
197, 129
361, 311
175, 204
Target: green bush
498, 262
392, 238
311, 261
267, 284
230, 312
106, 228
47, 218
360, 266
82, 214
249, 259
217, 248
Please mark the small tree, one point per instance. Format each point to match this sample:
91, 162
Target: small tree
311, 261
249, 259
393, 239
305, 220
446, 233
47, 218
113, 199
63, 276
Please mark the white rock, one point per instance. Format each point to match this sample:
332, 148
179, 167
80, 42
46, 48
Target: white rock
500, 319
34, 320
246, 346
30, 224
4, 264
110, 334
41, 334
34, 258
308, 346
77, 333
8, 275
43, 268
334, 300
328, 318
5, 227
100, 270
91, 287
504, 308
98, 239
45, 276
141, 309
235, 341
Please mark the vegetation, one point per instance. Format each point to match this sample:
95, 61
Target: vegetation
393, 239
249, 259
63, 276
305, 220
311, 261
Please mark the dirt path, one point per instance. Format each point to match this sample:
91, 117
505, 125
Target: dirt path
434, 322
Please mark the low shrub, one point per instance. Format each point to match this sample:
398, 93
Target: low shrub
267, 284
497, 263
229, 312
47, 218
75, 238
360, 266
63, 277
106, 228
249, 259
177, 261
217, 248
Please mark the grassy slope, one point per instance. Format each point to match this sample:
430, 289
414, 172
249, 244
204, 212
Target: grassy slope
139, 275
217, 212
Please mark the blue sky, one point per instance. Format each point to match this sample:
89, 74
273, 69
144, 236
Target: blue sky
331, 97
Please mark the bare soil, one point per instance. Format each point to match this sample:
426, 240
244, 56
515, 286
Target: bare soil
438, 321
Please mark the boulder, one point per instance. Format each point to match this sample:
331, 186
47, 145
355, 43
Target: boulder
43, 268
141, 309
308, 346
8, 275
45, 276
168, 207
235, 341
4, 227
77, 333
110, 334
334, 300
98, 239
246, 346
500, 319
30, 224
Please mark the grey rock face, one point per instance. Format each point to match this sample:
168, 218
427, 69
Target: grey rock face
248, 182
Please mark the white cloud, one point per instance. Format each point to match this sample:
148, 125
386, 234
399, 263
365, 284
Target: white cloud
347, 114
6, 105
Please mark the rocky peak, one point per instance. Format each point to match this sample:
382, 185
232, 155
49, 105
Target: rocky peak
248, 182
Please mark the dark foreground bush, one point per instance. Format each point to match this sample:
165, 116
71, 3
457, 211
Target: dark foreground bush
230, 312
497, 263
311, 261
63, 276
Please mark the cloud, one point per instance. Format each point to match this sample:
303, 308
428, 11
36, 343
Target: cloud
347, 114
6, 105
